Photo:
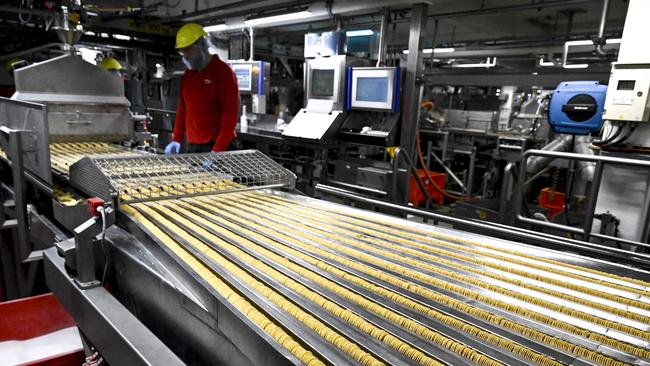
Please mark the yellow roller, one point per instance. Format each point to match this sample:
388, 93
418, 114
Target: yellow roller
517, 282
418, 233
227, 292
461, 325
539, 317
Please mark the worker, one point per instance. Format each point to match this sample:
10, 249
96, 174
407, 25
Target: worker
209, 97
112, 65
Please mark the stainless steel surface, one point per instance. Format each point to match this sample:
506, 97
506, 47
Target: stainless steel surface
338, 64
398, 292
624, 192
482, 121
412, 95
85, 103
113, 329
136, 179
33, 119
319, 240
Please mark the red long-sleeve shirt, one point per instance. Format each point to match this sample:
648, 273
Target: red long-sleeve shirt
208, 106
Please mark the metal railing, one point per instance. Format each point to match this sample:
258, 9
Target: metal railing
505, 231
586, 230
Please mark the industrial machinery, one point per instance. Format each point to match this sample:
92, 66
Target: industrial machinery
324, 82
212, 264
63, 109
577, 107
215, 259
372, 123
372, 105
253, 78
627, 113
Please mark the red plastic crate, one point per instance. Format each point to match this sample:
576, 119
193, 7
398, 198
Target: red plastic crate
35, 316
416, 197
551, 200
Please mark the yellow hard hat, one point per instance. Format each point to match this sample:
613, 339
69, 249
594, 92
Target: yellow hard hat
109, 64
188, 34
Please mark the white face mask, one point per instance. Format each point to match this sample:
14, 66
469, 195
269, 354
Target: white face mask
196, 59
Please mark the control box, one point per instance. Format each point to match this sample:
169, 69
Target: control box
576, 107
627, 96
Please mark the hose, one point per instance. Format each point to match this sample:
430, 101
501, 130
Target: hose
433, 183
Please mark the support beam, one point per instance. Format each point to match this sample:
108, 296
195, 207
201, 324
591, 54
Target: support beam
411, 96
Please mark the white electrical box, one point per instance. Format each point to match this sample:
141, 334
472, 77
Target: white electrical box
627, 94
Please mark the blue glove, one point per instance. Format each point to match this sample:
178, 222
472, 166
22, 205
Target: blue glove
207, 164
173, 148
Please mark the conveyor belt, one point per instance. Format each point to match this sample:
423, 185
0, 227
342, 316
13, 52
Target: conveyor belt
337, 286
64, 154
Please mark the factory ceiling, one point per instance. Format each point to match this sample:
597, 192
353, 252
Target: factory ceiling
471, 26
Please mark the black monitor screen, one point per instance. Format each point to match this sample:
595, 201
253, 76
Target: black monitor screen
322, 83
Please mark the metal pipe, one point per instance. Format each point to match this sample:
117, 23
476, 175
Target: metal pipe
596, 158
537, 163
520, 234
619, 240
506, 188
381, 56
600, 41
252, 43
451, 174
585, 169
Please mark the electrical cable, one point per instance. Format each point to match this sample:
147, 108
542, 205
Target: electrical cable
622, 139
609, 139
20, 13
433, 183
102, 211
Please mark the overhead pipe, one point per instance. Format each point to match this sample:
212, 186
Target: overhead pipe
600, 41
357, 7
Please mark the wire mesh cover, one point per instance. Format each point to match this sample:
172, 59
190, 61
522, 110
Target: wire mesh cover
147, 178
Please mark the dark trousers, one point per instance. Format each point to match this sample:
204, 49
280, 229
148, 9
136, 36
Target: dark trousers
200, 148
207, 147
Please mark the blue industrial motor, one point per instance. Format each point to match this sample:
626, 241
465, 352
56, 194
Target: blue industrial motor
577, 107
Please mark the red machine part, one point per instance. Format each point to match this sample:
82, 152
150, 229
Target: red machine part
416, 197
93, 204
551, 200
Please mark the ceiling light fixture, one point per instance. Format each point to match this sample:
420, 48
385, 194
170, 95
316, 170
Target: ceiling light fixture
359, 33
576, 66
122, 37
216, 27
444, 50
490, 62
278, 18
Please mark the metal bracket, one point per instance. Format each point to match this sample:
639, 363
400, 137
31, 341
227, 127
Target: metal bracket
85, 240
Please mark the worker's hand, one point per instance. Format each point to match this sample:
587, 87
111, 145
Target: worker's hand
173, 148
207, 164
